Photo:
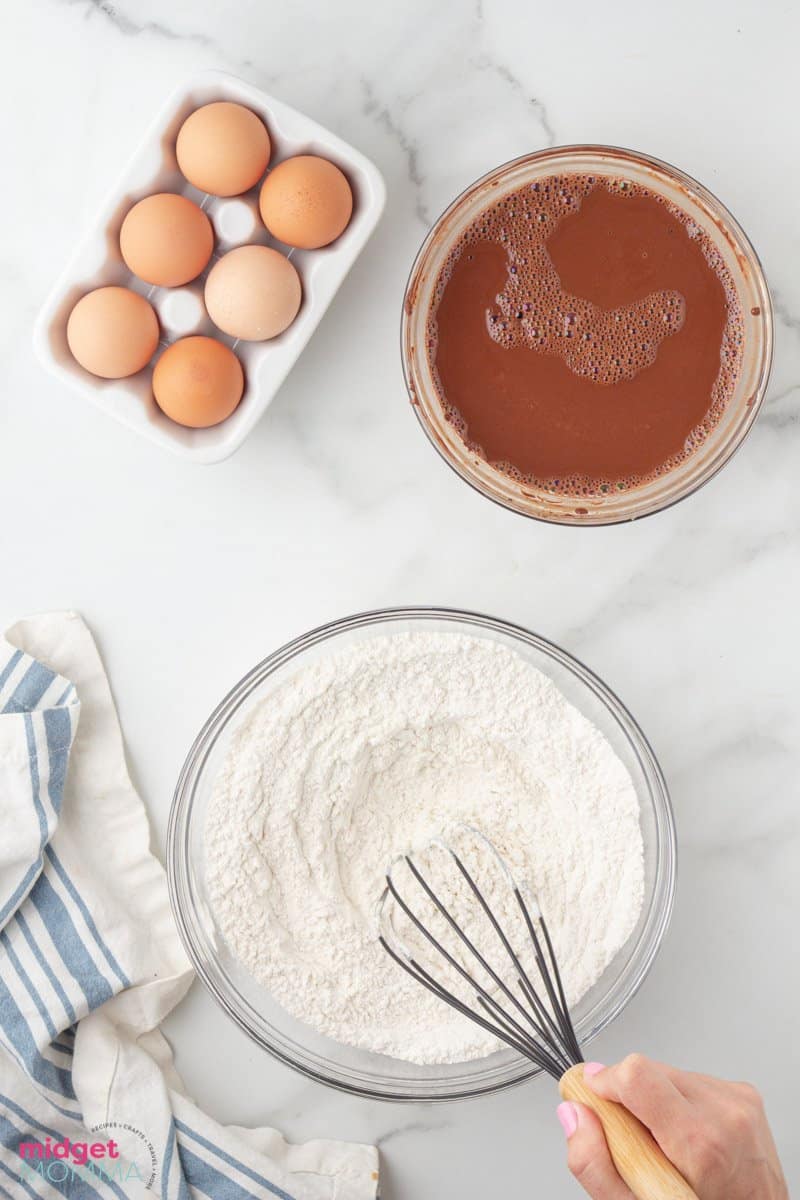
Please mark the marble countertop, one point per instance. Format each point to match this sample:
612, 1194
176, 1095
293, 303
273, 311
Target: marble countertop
189, 575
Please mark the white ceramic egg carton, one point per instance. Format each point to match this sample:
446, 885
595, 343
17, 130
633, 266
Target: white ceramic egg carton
97, 262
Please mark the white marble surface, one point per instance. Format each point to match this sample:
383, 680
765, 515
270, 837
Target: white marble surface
189, 575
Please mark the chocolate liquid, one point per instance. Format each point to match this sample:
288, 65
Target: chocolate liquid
585, 335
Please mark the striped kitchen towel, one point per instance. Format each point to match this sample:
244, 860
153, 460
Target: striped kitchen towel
90, 963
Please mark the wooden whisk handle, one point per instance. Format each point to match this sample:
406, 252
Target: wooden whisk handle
637, 1156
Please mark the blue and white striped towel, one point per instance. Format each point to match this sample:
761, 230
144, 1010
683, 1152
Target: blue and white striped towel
91, 963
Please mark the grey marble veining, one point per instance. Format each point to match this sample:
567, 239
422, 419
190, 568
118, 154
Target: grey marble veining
337, 503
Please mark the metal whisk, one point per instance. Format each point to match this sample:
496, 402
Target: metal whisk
548, 1040
534, 1019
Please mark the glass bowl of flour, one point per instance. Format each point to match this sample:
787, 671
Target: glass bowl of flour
365, 739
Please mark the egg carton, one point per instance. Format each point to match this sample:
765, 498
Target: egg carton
97, 262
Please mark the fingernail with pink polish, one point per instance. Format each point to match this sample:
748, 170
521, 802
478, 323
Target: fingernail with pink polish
568, 1116
593, 1068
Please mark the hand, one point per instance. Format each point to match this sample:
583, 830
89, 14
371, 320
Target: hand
715, 1132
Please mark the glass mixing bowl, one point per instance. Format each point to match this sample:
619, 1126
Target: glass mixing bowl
737, 253
251, 1005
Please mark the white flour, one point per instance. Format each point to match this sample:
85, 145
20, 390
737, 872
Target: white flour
374, 751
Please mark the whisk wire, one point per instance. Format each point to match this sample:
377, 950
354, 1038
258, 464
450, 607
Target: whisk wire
550, 1042
561, 1009
548, 1062
412, 968
523, 1041
565, 1031
528, 988
482, 995
497, 979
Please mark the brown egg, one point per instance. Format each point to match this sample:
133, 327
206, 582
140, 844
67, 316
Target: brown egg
112, 332
253, 292
306, 202
223, 148
198, 382
166, 239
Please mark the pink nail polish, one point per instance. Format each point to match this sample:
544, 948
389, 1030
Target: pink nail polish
593, 1068
568, 1116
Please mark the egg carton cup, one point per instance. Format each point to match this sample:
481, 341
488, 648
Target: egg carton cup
97, 262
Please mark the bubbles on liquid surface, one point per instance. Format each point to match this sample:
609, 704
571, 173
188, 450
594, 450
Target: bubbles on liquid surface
604, 346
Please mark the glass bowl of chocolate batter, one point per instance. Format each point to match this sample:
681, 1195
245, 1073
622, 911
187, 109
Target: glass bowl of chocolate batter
586, 335
253, 1006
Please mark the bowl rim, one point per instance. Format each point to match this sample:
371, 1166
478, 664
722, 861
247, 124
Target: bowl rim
177, 855
595, 519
